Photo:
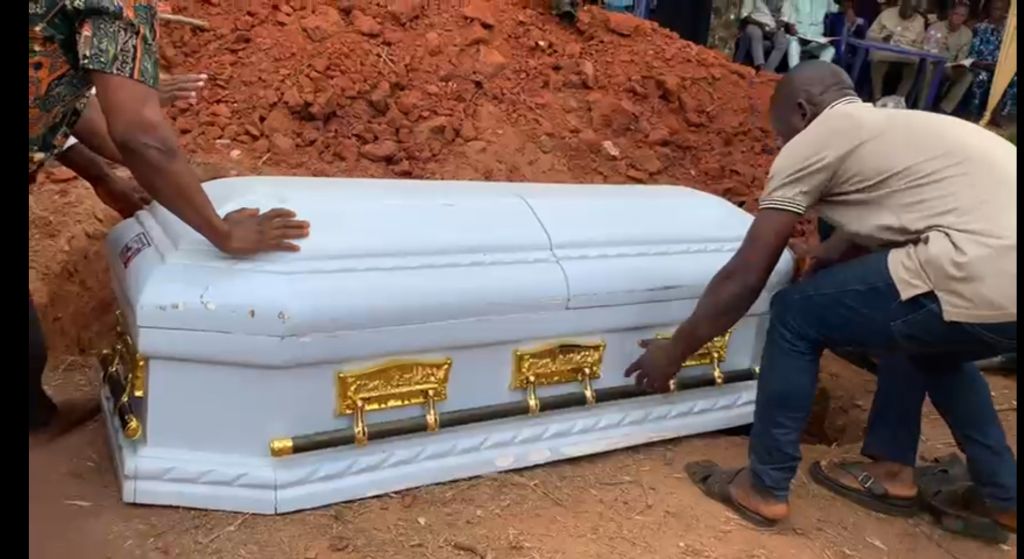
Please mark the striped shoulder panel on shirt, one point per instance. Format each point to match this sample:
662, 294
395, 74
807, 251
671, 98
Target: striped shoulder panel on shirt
844, 101
784, 204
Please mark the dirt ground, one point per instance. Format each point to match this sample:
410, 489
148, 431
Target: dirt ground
627, 504
472, 90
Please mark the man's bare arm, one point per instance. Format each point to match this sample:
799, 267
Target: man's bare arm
119, 194
84, 162
735, 287
91, 131
148, 146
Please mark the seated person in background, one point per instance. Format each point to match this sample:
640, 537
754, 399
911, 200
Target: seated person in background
900, 26
867, 9
845, 22
988, 39
809, 23
764, 20
953, 39
853, 24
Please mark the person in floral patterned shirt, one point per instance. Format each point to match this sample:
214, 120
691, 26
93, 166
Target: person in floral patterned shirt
988, 39
111, 45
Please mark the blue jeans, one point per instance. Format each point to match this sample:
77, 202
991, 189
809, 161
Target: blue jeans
855, 306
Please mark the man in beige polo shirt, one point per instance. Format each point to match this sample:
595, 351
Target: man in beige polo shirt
953, 39
900, 26
935, 199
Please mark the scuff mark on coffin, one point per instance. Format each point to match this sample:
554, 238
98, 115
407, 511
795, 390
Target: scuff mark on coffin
533, 456
205, 302
655, 289
662, 288
600, 446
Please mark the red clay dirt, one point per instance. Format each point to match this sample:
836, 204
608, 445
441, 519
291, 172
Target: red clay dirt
486, 91
489, 91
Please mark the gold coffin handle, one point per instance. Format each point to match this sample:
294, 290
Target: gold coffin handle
392, 385
712, 353
136, 376
554, 364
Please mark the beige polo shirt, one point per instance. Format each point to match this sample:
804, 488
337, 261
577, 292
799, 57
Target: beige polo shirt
905, 32
955, 44
941, 191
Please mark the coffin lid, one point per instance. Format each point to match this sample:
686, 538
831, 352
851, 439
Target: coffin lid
388, 253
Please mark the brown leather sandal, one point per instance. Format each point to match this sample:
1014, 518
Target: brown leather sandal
872, 495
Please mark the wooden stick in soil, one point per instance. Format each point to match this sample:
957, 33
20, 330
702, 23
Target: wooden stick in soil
471, 549
174, 18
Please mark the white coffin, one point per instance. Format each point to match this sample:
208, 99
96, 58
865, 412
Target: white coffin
233, 354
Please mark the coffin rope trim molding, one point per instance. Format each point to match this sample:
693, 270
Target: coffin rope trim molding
407, 453
376, 263
583, 253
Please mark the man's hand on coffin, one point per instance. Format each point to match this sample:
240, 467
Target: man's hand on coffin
118, 193
729, 295
148, 146
659, 364
253, 232
122, 195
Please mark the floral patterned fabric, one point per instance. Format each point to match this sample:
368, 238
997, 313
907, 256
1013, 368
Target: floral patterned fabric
988, 39
67, 40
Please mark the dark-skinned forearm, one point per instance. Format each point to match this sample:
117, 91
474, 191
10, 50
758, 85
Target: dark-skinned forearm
85, 163
727, 298
162, 170
91, 131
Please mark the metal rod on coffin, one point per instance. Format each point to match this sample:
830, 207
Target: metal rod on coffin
390, 429
120, 392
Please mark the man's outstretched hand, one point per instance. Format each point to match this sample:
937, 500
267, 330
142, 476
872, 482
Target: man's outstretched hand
729, 295
180, 88
655, 369
251, 232
122, 195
